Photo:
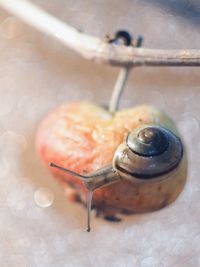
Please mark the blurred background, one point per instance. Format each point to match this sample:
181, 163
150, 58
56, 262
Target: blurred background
38, 227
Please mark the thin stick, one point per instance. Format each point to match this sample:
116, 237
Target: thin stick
118, 89
95, 49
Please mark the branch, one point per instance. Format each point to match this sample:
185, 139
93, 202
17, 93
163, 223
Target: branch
95, 49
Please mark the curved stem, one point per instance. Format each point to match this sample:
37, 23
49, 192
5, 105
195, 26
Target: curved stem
118, 89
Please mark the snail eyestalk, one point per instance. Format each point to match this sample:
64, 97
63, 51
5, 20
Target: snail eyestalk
82, 177
89, 206
90, 192
100, 178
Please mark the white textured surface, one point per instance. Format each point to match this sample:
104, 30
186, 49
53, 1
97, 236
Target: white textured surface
36, 74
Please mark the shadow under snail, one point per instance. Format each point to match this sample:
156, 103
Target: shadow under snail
150, 158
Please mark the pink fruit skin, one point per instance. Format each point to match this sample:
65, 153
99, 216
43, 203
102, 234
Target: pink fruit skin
83, 138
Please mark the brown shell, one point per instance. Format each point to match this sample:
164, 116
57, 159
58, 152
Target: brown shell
136, 167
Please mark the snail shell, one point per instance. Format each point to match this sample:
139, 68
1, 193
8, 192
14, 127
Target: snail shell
148, 153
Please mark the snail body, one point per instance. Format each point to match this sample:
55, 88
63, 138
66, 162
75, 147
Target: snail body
133, 161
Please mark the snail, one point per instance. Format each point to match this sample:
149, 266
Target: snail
150, 159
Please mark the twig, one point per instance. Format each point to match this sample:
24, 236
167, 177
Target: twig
95, 49
118, 89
